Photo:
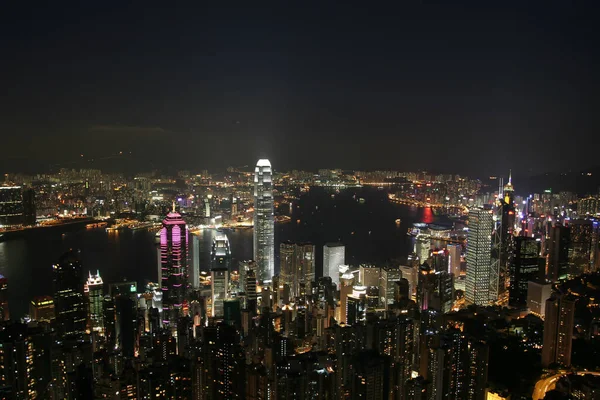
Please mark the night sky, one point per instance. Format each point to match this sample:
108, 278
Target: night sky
465, 88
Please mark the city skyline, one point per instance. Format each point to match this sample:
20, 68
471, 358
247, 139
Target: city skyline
329, 201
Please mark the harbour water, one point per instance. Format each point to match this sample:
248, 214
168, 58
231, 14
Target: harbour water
368, 229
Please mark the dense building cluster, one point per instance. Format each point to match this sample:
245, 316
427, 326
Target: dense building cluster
506, 274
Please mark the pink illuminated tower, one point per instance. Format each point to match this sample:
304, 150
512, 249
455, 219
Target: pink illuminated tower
173, 272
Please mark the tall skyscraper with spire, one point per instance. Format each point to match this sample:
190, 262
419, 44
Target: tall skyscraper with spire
173, 272
264, 223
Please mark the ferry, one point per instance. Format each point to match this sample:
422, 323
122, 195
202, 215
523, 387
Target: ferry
96, 225
398, 221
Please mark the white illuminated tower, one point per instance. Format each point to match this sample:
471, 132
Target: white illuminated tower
479, 261
334, 255
94, 289
264, 222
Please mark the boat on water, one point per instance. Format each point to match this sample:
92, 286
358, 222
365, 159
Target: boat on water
361, 200
398, 221
96, 225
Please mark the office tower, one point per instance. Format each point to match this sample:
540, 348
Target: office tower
439, 260
580, 246
297, 267
454, 252
11, 206
346, 289
264, 222
558, 330
127, 288
232, 312
29, 210
244, 267
94, 289
4, 311
526, 265
194, 269
305, 267
221, 252
402, 291
558, 253
68, 294
537, 294
435, 290
247, 270
480, 276
387, 284
41, 309
287, 264
411, 274
173, 272
422, 247
220, 287
110, 322
334, 255
368, 275
126, 324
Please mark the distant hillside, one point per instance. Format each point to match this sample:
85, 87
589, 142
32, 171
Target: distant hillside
582, 182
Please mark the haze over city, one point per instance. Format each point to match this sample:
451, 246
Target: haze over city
476, 86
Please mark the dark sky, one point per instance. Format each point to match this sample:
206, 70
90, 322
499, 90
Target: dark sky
460, 87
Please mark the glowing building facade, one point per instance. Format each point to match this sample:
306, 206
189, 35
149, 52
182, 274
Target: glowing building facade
94, 289
264, 222
173, 272
334, 255
297, 266
221, 252
479, 247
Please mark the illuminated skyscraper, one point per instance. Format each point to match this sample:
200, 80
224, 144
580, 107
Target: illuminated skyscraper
264, 222
580, 246
334, 255
454, 250
173, 272
479, 245
297, 266
68, 294
41, 308
220, 286
11, 205
221, 252
94, 288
